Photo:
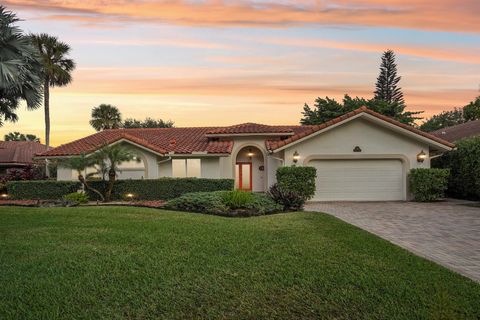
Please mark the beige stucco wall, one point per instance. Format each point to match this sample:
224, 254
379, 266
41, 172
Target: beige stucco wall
370, 137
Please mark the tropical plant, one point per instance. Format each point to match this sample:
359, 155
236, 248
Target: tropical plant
20, 69
147, 123
456, 116
80, 164
57, 69
387, 88
326, 109
76, 197
17, 136
472, 110
443, 119
106, 116
113, 156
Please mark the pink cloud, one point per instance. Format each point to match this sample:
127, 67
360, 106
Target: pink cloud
447, 15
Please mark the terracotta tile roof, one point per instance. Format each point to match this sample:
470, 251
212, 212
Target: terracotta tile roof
160, 140
458, 132
251, 128
19, 152
276, 144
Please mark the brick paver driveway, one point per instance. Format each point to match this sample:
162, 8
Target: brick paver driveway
445, 232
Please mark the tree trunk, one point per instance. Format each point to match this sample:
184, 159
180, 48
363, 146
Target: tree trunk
111, 182
46, 105
87, 187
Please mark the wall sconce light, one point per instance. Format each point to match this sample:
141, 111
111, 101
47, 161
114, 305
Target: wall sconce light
421, 156
250, 153
296, 156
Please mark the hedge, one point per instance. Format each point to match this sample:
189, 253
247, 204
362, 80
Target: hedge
428, 184
162, 188
464, 165
300, 180
155, 189
41, 189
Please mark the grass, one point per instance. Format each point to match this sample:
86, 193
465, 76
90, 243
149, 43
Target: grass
138, 263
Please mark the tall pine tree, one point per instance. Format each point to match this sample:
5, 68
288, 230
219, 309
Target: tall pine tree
387, 88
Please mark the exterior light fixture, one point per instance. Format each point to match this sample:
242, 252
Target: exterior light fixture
296, 156
129, 196
4, 195
250, 153
421, 156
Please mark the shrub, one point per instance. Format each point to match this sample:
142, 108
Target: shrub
464, 165
428, 184
76, 197
225, 203
160, 189
41, 189
289, 200
237, 199
300, 180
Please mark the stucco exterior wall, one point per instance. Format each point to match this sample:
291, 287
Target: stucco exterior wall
210, 168
370, 137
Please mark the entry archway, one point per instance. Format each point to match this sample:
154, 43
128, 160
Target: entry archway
250, 169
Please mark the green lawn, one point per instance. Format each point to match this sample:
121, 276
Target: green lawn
137, 263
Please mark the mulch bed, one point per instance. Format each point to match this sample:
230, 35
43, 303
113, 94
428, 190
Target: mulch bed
35, 203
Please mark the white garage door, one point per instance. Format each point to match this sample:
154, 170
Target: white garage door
358, 180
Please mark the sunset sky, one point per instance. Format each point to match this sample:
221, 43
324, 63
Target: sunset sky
203, 63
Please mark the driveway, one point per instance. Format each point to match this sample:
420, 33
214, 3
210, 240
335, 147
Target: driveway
445, 232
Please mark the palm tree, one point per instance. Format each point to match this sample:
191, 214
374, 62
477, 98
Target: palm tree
114, 155
79, 164
106, 116
20, 69
17, 136
57, 69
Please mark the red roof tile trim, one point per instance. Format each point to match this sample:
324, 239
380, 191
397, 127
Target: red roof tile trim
19, 152
275, 144
246, 128
188, 140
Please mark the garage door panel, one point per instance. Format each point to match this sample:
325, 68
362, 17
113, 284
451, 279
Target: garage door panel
359, 180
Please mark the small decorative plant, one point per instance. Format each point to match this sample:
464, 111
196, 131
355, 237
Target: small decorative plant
76, 197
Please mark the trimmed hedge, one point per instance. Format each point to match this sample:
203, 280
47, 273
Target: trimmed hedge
299, 180
41, 189
160, 189
464, 165
428, 184
225, 203
156, 189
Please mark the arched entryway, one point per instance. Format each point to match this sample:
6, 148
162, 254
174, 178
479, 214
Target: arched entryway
250, 169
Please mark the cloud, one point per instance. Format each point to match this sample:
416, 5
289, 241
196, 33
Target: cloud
444, 15
435, 53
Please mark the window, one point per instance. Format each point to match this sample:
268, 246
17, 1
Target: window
186, 168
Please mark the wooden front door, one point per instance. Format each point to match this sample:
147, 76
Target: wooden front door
243, 176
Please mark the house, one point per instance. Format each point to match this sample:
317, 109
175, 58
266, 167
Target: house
18, 154
361, 155
460, 131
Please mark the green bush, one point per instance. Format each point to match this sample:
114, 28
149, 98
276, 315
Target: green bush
41, 189
288, 199
464, 166
156, 189
237, 199
76, 197
300, 180
225, 203
161, 189
428, 184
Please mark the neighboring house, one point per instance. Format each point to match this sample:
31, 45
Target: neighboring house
460, 131
361, 155
18, 154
